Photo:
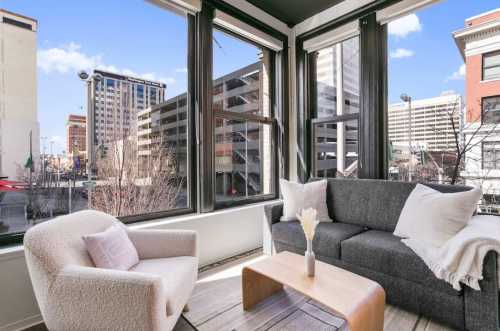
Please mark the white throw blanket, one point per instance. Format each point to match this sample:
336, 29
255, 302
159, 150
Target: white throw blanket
460, 259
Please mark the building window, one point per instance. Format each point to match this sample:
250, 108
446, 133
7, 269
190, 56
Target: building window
335, 119
244, 167
491, 155
491, 110
491, 65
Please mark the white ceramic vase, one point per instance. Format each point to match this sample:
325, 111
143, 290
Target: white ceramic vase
309, 259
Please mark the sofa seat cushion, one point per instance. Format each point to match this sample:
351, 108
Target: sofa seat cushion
326, 240
179, 276
382, 251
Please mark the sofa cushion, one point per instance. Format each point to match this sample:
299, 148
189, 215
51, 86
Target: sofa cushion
374, 203
326, 241
179, 277
382, 251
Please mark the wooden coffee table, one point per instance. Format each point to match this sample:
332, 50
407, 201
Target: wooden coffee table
358, 300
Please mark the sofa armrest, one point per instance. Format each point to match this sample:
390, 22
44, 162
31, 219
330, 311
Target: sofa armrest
111, 297
482, 307
273, 213
153, 244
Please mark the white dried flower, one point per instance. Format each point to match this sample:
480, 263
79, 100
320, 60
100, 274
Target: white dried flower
309, 222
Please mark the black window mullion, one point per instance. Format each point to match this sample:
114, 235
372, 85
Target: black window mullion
206, 161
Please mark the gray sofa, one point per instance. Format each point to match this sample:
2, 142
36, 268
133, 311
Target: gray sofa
360, 239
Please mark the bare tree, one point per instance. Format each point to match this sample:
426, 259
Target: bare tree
131, 184
477, 132
44, 199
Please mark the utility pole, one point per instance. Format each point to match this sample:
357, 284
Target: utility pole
407, 98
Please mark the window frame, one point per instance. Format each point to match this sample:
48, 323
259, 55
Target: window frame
199, 103
261, 119
482, 155
483, 67
192, 149
315, 120
483, 112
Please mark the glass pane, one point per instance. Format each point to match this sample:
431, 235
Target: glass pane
491, 110
336, 149
441, 119
337, 74
241, 72
243, 162
492, 59
492, 72
97, 121
350, 75
244, 166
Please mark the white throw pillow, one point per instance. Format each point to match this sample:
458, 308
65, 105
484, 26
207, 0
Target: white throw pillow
301, 196
434, 217
112, 249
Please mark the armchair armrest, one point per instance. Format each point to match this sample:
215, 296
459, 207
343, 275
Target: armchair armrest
153, 244
132, 299
273, 213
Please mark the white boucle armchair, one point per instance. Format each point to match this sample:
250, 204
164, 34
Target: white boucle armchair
75, 295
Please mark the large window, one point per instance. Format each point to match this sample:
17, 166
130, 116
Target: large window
491, 65
94, 112
335, 122
244, 165
490, 107
491, 155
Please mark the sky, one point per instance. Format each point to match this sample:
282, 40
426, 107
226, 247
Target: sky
424, 60
137, 38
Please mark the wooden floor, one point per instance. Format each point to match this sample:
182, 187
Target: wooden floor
216, 306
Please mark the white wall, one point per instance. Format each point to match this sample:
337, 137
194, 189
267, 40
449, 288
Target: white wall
221, 234
18, 95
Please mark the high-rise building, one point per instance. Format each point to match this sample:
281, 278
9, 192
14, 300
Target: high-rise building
18, 92
117, 100
337, 86
431, 125
242, 149
76, 134
479, 45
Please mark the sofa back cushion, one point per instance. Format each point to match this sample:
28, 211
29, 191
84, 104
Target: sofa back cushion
373, 203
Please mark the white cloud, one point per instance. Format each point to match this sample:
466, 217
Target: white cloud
182, 70
66, 59
70, 59
405, 25
401, 53
457, 75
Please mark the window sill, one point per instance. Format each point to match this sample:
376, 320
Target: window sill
490, 80
16, 251
195, 216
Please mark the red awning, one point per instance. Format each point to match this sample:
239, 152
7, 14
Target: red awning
11, 186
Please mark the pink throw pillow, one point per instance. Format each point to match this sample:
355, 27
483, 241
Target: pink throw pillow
112, 249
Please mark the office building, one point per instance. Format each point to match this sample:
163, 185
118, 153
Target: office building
18, 92
76, 133
479, 45
337, 83
117, 100
431, 122
242, 149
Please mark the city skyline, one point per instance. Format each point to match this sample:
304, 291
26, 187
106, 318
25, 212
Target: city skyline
90, 41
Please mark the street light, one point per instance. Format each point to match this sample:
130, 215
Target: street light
406, 98
90, 80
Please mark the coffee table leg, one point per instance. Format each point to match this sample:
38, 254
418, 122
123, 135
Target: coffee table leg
257, 287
